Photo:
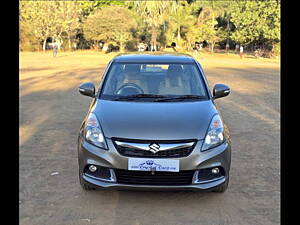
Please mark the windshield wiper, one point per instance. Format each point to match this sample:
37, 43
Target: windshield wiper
182, 97
137, 96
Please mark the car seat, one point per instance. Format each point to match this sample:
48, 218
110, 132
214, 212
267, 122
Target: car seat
174, 82
131, 74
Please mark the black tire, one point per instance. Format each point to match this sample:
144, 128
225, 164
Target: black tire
223, 187
84, 185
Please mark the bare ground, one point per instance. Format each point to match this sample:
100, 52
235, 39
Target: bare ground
51, 111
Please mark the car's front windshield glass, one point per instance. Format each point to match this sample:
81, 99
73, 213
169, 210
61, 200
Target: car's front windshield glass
153, 82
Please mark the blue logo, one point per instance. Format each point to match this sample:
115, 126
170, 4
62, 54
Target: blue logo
150, 164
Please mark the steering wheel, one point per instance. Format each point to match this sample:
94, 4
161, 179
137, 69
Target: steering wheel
129, 89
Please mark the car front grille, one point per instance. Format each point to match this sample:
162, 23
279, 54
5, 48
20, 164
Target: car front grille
158, 178
171, 153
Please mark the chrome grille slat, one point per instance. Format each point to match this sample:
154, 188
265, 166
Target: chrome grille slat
140, 148
163, 147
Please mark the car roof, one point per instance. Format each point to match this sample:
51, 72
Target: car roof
156, 57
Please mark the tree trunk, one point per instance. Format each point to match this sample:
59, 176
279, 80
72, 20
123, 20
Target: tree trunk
121, 47
153, 37
178, 34
44, 44
212, 47
228, 33
70, 44
189, 45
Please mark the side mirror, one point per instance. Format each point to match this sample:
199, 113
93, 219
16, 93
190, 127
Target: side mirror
220, 90
87, 89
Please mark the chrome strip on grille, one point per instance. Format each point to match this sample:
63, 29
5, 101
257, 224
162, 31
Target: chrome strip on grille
163, 147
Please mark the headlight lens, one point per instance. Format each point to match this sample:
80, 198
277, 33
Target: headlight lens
93, 132
215, 134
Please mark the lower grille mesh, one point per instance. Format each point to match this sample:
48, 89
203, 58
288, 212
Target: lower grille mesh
158, 178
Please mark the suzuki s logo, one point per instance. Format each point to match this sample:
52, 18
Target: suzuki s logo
154, 148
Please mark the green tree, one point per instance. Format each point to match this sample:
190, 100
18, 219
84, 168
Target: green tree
50, 19
41, 18
181, 17
141, 31
69, 13
246, 22
90, 6
207, 28
256, 21
109, 24
153, 13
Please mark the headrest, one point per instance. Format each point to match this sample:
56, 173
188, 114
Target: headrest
174, 74
175, 70
131, 68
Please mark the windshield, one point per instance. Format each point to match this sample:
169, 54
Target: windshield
153, 82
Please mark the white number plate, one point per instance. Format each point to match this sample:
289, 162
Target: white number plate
143, 164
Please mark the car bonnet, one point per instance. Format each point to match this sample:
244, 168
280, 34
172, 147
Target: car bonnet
154, 120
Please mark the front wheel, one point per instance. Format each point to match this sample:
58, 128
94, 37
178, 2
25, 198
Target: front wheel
223, 187
84, 185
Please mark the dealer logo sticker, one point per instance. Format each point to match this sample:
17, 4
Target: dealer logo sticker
146, 164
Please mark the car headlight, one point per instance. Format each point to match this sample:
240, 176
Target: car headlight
215, 133
93, 132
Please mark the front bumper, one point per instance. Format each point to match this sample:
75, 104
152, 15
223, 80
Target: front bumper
216, 157
108, 185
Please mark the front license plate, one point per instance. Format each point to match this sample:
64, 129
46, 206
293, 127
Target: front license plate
143, 164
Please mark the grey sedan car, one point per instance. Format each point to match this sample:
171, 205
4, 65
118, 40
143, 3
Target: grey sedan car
153, 124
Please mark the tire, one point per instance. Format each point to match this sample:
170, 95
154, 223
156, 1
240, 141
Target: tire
223, 187
84, 185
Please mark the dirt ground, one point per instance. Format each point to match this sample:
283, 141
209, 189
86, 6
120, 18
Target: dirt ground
51, 110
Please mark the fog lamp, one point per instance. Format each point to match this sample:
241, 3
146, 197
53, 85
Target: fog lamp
215, 170
92, 168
